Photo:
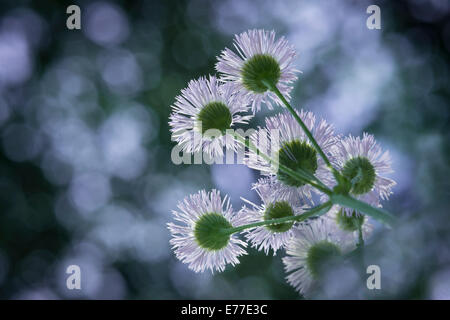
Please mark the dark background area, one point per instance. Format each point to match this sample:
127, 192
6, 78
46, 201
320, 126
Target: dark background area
85, 171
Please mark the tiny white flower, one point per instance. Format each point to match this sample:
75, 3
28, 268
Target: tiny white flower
313, 247
271, 236
283, 139
200, 240
260, 57
363, 160
204, 112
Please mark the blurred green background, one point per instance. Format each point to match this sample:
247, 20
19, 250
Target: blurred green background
85, 171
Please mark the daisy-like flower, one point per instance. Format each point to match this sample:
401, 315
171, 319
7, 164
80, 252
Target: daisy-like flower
351, 223
363, 162
271, 236
204, 112
313, 247
260, 59
201, 240
282, 138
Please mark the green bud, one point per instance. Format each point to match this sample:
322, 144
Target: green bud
296, 155
260, 68
279, 209
215, 115
361, 173
320, 255
349, 223
210, 232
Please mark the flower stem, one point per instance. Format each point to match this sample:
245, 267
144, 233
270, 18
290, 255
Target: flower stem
360, 237
350, 202
316, 211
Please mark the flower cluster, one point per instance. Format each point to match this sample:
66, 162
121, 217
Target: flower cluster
309, 163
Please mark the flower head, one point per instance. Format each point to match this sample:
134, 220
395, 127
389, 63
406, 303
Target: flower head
363, 162
201, 240
313, 247
204, 112
271, 236
350, 223
284, 139
260, 60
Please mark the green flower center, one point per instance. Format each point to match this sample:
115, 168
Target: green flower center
279, 209
296, 155
361, 173
215, 115
349, 223
209, 231
320, 255
259, 68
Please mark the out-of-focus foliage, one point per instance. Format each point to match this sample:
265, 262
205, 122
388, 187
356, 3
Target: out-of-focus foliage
85, 170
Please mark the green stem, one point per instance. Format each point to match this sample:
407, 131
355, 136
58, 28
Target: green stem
360, 237
274, 89
350, 202
316, 211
